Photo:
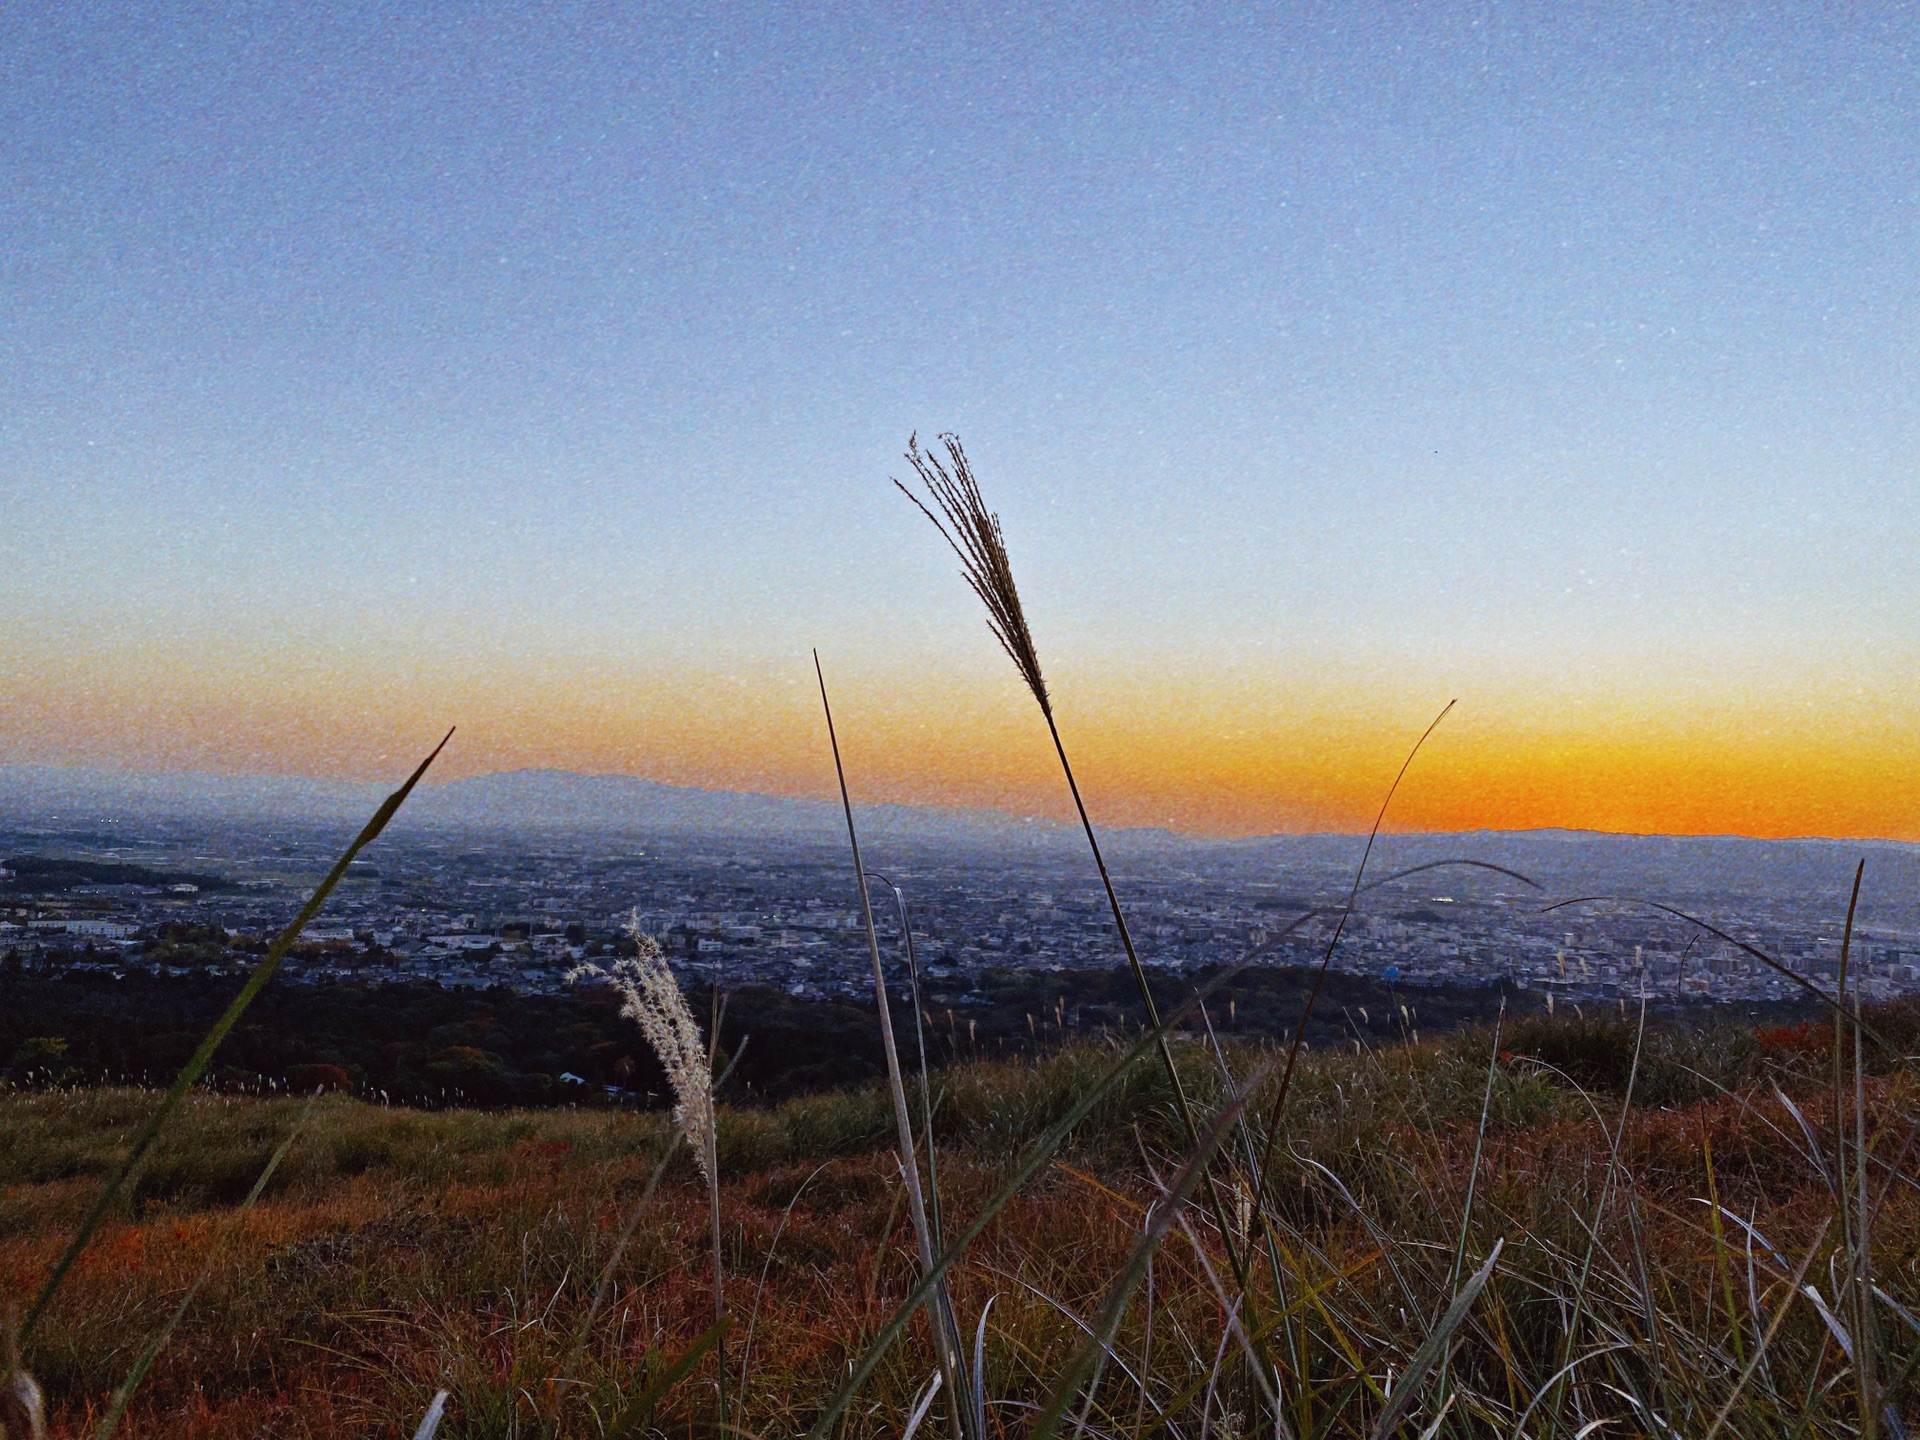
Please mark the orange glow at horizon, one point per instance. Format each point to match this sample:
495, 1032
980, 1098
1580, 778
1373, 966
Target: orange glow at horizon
1191, 758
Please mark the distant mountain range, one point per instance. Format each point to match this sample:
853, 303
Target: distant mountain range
60, 798
50, 795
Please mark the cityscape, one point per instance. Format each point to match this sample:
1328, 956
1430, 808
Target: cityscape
483, 908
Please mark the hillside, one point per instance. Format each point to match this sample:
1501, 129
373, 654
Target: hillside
400, 1251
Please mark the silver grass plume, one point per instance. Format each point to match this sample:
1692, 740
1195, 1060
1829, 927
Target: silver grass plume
973, 531
23, 1409
652, 999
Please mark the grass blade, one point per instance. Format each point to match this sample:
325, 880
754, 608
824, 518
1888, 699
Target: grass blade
1434, 1346
1779, 1315
980, 1368
1100, 1336
921, 1408
946, 1324
430, 1422
634, 1418
201, 1058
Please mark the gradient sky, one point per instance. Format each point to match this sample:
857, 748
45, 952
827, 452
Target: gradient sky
366, 368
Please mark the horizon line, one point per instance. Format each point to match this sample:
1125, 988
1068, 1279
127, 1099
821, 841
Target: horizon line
1191, 835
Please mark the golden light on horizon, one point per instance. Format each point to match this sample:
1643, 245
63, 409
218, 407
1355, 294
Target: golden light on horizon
1222, 758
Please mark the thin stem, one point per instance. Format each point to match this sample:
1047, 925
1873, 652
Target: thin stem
945, 1328
711, 1145
1326, 960
1856, 1234
920, 1045
1214, 1202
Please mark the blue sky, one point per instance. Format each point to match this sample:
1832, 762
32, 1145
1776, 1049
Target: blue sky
1532, 350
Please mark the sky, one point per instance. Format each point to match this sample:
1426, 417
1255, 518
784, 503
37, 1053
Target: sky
366, 369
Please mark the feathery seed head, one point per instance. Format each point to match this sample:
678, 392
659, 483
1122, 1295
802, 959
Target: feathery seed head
973, 531
652, 999
23, 1411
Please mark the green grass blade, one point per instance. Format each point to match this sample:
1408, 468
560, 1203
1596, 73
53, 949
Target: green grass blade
1435, 1345
634, 1418
1779, 1316
197, 1065
1100, 1336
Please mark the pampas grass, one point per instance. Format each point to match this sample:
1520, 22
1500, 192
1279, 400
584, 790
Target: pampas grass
974, 534
651, 997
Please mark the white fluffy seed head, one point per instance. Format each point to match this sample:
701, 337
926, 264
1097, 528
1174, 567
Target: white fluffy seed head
23, 1409
652, 999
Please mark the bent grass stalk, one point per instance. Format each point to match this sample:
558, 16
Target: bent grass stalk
920, 1045
1276, 1111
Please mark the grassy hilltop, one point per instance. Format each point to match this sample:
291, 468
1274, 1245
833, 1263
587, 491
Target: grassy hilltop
1652, 1197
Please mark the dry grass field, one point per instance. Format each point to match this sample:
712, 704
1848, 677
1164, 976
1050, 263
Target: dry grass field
1662, 1256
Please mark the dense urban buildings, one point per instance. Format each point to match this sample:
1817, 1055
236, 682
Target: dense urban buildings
467, 907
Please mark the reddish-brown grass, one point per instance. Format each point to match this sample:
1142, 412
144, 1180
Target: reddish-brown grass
404, 1252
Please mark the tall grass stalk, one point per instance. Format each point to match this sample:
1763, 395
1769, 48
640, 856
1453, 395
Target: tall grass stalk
946, 1324
973, 532
202, 1057
1856, 1229
920, 1046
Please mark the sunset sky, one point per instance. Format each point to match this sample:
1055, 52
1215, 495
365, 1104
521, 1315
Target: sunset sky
366, 369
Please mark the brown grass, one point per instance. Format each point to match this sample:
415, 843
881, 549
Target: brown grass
403, 1251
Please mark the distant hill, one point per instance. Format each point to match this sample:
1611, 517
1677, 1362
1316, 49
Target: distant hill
561, 801
541, 800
